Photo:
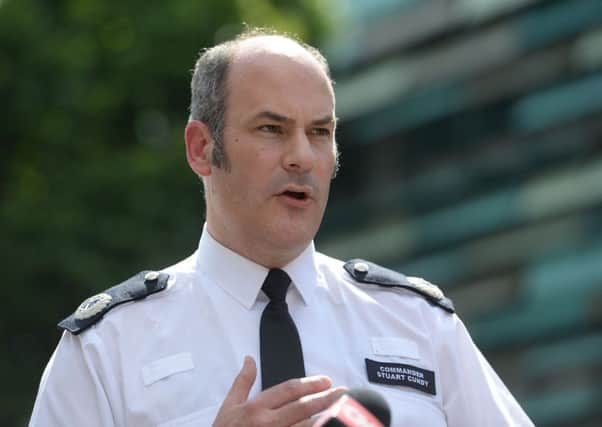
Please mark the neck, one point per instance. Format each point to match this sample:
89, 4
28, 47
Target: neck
268, 256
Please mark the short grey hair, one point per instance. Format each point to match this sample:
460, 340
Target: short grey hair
209, 90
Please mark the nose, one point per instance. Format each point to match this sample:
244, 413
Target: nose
299, 156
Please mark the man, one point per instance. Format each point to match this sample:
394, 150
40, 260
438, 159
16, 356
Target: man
261, 138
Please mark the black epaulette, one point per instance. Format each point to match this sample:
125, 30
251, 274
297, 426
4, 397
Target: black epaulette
368, 272
94, 308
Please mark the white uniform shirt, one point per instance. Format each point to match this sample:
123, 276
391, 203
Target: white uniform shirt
170, 359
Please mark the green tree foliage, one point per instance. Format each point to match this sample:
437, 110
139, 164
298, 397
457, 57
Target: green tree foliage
93, 181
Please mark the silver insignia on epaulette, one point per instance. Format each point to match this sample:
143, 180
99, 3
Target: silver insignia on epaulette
427, 287
92, 306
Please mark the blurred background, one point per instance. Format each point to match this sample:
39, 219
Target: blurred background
471, 139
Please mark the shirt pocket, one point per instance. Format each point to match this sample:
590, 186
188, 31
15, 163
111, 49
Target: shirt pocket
171, 393
410, 409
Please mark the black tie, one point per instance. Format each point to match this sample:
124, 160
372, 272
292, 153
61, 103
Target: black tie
281, 354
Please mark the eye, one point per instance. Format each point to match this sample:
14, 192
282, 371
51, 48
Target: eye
320, 131
271, 128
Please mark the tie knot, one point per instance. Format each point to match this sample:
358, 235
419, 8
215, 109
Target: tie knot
276, 285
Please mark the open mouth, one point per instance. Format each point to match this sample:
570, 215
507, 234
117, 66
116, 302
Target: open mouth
299, 195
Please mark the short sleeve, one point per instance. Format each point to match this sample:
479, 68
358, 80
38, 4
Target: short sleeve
473, 394
71, 392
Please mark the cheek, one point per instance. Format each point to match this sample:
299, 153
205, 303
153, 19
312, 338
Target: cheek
328, 163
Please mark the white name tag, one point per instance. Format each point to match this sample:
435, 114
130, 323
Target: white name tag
170, 365
384, 346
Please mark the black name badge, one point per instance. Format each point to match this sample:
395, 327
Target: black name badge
400, 374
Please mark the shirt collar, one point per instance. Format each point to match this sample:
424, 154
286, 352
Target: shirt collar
242, 278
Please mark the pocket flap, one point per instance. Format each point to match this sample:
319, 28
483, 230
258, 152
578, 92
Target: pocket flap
385, 346
162, 368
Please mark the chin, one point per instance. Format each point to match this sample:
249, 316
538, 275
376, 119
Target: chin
292, 236
295, 240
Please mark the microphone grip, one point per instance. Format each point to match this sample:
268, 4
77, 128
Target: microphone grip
348, 412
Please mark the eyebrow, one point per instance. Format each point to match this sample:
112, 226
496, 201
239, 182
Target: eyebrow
272, 116
326, 120
284, 119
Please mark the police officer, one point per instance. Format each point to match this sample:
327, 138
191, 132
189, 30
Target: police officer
257, 328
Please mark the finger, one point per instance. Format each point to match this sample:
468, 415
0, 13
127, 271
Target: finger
310, 405
239, 391
291, 390
304, 423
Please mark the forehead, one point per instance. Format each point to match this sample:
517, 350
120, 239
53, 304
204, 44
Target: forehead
270, 44
275, 70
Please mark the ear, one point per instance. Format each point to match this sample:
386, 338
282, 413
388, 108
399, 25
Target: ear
199, 146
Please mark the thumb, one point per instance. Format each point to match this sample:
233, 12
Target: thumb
239, 391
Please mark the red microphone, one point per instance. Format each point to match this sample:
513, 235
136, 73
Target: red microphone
357, 408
